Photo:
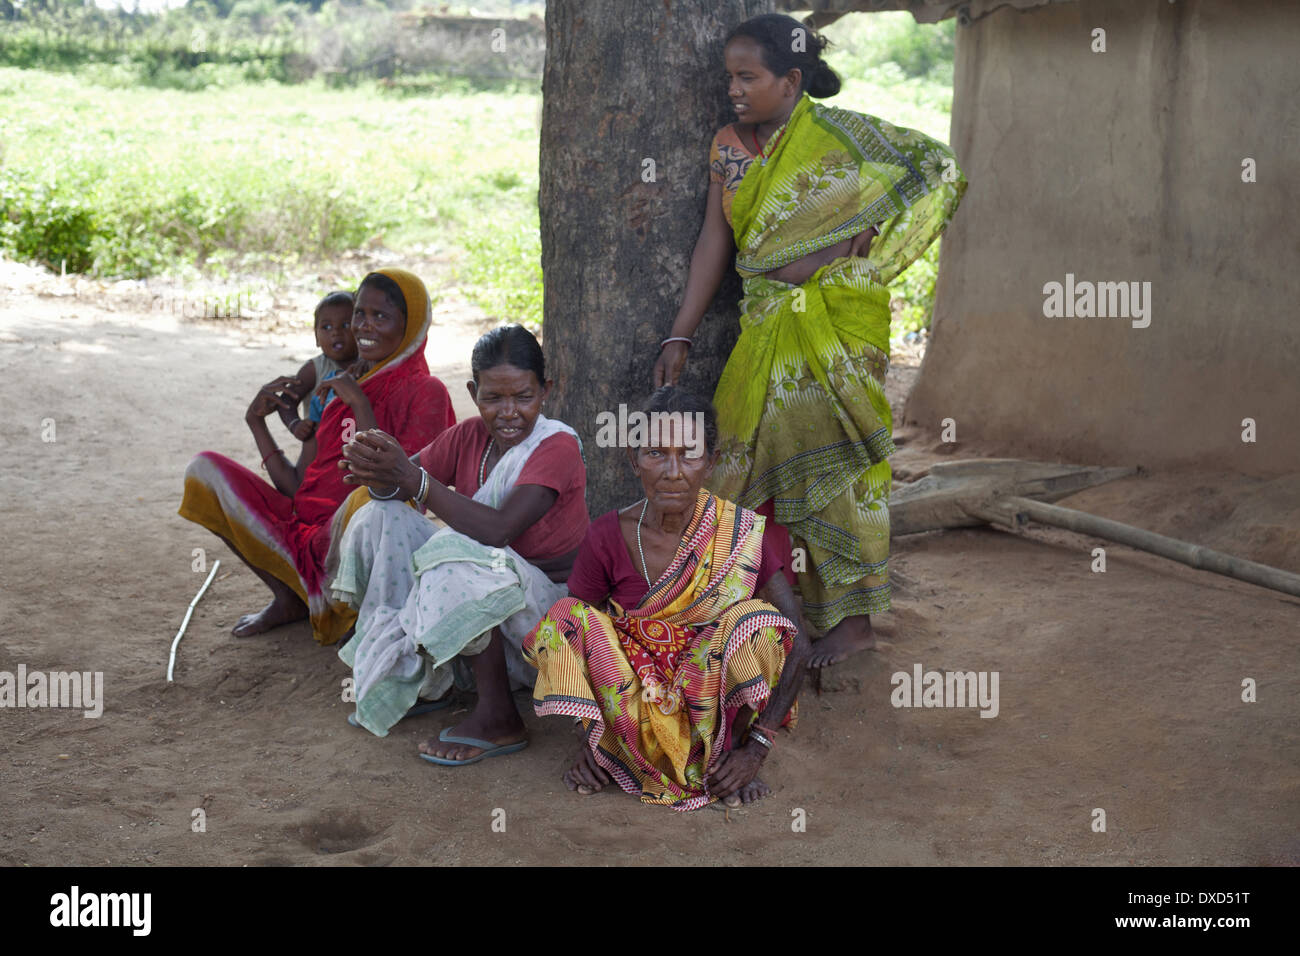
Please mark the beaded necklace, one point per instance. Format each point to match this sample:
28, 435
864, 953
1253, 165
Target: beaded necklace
482, 465
644, 570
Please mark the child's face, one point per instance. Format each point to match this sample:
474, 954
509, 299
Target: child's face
334, 333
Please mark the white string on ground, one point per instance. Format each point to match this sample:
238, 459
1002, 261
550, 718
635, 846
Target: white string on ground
171, 663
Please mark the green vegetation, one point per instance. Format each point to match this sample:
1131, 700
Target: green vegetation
897, 69
140, 181
913, 294
861, 44
223, 42
186, 49
212, 139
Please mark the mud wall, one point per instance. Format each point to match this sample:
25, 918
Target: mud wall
1124, 166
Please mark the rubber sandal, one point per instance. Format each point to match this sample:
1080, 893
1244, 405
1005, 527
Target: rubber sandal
488, 747
424, 707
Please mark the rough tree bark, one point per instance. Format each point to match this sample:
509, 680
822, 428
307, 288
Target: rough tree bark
631, 96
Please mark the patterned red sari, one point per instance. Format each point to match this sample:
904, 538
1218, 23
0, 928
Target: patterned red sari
658, 686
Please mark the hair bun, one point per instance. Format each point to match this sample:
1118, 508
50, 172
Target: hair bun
775, 34
824, 81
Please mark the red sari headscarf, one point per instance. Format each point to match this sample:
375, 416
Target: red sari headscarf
290, 537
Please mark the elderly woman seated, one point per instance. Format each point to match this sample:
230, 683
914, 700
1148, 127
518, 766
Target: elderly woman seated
679, 672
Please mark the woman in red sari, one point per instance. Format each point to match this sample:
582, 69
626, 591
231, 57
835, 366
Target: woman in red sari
283, 531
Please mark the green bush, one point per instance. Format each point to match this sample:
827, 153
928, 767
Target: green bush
913, 293
860, 44
49, 223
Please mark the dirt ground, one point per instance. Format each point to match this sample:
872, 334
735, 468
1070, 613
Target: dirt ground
1120, 691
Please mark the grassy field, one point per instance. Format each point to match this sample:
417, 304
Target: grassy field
114, 179
143, 181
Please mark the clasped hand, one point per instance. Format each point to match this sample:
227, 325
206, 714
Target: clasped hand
374, 458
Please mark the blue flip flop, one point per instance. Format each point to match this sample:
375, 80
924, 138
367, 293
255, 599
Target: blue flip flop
424, 707
488, 747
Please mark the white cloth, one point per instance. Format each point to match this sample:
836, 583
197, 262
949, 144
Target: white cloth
426, 595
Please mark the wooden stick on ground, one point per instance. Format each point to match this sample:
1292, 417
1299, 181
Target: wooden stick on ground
1012, 511
934, 501
171, 662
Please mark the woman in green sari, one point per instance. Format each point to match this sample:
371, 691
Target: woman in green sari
822, 208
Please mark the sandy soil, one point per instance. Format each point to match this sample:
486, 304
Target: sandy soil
1119, 691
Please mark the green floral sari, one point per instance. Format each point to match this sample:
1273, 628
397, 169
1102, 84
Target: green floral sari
801, 402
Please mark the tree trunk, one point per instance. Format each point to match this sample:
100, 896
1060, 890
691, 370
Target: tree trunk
632, 93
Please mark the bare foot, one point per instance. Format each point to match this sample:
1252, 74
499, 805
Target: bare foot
271, 616
498, 728
751, 792
851, 636
754, 790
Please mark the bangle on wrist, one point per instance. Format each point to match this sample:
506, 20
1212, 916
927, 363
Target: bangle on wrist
424, 489
675, 338
759, 738
397, 489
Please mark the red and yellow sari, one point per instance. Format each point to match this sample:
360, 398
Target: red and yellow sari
658, 687
289, 537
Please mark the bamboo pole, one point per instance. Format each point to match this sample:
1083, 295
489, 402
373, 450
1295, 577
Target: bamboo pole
1011, 512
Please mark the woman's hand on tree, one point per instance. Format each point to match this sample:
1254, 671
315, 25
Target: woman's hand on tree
270, 398
672, 359
375, 459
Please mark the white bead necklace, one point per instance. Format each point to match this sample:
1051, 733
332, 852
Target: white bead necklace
644, 570
482, 465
